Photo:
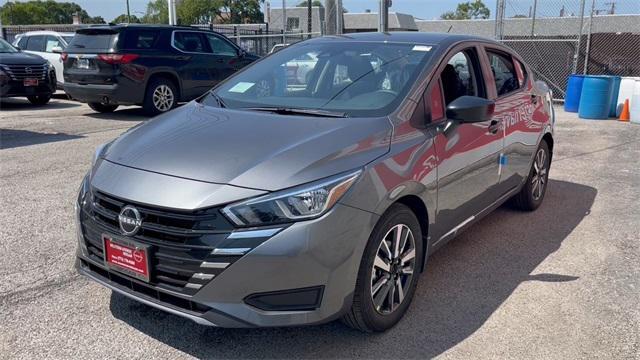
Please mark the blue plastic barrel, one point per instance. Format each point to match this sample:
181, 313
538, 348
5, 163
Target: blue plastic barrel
595, 98
574, 90
614, 96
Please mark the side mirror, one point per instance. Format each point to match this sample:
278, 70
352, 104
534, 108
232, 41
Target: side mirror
470, 109
56, 49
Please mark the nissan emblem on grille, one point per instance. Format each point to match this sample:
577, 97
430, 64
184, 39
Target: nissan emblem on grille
130, 220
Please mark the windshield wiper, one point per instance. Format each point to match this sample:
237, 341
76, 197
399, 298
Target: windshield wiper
299, 111
218, 99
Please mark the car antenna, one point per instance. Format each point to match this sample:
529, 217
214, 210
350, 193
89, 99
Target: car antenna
450, 27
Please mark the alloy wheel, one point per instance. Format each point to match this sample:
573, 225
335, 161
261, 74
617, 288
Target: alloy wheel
393, 268
163, 98
539, 178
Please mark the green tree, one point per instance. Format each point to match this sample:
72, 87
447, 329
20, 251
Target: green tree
157, 12
317, 3
123, 19
468, 10
242, 11
198, 11
44, 12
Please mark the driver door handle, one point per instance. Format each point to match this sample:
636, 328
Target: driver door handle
494, 126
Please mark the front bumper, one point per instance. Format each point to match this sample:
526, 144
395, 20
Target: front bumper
15, 88
324, 252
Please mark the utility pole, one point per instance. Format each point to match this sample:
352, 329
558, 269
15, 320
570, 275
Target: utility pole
533, 17
284, 15
330, 17
309, 18
383, 13
173, 19
586, 53
128, 13
339, 19
577, 53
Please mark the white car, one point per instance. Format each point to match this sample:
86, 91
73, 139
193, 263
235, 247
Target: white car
49, 45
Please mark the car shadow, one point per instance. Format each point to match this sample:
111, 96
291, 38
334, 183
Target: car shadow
16, 104
464, 283
127, 114
12, 138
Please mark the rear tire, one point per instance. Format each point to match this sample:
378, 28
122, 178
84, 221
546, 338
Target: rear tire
39, 99
161, 96
103, 108
381, 284
532, 193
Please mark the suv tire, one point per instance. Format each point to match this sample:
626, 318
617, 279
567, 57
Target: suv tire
161, 96
532, 193
372, 310
103, 108
39, 99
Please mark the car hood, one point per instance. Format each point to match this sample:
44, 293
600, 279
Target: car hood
250, 149
21, 58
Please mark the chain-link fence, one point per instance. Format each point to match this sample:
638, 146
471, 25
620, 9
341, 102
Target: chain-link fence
560, 37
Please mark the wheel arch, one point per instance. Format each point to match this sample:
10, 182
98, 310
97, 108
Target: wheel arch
419, 208
548, 138
169, 75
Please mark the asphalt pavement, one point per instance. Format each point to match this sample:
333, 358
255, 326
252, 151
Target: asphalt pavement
559, 283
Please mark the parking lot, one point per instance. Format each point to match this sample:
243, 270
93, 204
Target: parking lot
562, 282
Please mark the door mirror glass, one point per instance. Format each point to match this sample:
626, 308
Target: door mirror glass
470, 109
56, 49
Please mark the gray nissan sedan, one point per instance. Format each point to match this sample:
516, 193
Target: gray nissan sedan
285, 198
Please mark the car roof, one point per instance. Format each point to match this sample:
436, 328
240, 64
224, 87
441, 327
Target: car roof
146, 26
426, 38
46, 32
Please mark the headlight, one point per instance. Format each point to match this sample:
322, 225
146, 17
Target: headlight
300, 203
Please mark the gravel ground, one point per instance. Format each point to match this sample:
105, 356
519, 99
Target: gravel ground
563, 282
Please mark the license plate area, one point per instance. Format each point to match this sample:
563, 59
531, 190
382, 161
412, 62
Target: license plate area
82, 64
127, 257
30, 82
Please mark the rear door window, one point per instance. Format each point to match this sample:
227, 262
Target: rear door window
504, 72
220, 46
35, 43
52, 42
189, 41
141, 39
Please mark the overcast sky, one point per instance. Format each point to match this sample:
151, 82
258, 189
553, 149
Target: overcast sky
425, 9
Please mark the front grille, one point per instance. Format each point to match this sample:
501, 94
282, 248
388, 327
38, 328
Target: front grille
180, 240
21, 72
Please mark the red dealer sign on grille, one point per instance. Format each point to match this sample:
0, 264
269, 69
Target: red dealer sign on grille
127, 257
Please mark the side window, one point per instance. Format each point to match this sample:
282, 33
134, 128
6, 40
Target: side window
459, 76
220, 46
22, 43
140, 39
51, 43
504, 73
35, 43
189, 42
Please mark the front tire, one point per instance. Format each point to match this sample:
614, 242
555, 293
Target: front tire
39, 99
532, 193
161, 96
103, 108
388, 273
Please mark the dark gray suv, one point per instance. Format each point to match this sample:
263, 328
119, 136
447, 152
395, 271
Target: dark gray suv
278, 199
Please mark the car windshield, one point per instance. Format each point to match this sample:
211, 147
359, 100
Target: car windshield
67, 38
346, 77
5, 47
